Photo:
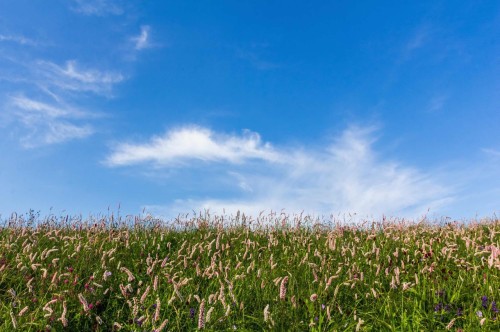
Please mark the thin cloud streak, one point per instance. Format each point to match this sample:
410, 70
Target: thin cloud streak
72, 77
47, 110
346, 176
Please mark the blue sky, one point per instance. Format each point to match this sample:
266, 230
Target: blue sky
170, 107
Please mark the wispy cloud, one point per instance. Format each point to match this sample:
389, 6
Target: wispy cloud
41, 101
71, 76
345, 176
97, 7
143, 40
194, 143
44, 109
48, 123
18, 39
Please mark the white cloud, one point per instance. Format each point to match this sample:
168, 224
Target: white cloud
142, 41
72, 77
97, 7
46, 123
193, 143
345, 176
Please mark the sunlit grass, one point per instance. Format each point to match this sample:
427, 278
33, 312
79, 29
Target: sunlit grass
275, 272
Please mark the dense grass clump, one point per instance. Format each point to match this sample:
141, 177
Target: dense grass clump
274, 273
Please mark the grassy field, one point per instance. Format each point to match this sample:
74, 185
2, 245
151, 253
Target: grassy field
275, 273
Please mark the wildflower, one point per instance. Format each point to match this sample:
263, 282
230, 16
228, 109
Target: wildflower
450, 324
283, 288
144, 295
191, 312
358, 326
22, 312
83, 302
201, 315
479, 313
139, 321
209, 314
407, 285
313, 297
323, 307
266, 313
460, 312
106, 275
438, 307
14, 321
54, 279
484, 301
162, 326
494, 307
12, 292
157, 306
129, 274
63, 318
155, 283
123, 289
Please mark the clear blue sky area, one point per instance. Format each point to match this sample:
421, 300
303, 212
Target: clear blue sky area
328, 107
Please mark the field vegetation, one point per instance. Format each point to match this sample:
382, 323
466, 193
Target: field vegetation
274, 272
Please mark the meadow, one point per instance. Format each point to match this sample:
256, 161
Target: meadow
273, 272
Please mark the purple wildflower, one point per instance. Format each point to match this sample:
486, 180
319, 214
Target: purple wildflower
192, 312
460, 312
494, 307
438, 307
484, 301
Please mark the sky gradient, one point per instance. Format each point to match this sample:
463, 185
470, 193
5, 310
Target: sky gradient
374, 108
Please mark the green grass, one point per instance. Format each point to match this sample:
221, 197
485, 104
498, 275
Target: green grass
390, 276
